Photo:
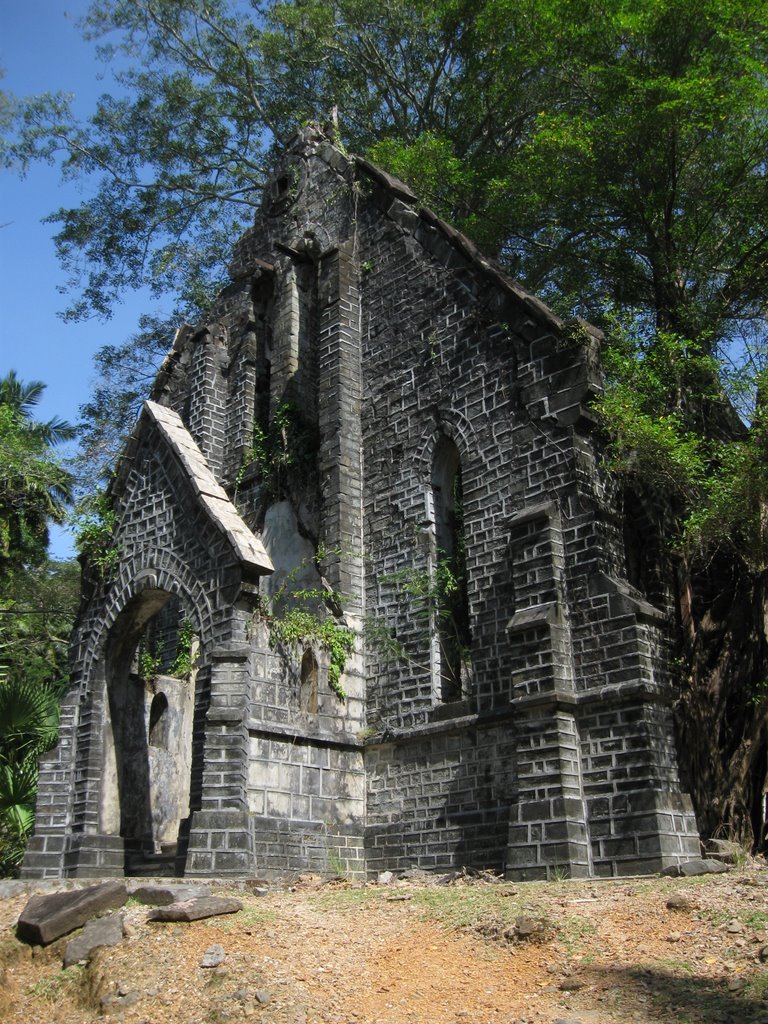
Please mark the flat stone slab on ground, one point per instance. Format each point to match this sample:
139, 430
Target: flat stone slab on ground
696, 866
162, 895
104, 931
46, 918
195, 909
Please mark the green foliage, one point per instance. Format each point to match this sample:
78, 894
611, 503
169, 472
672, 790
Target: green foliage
287, 446
611, 157
434, 597
38, 600
733, 502
184, 662
300, 628
34, 486
37, 610
660, 411
646, 409
300, 618
149, 664
29, 719
124, 376
95, 522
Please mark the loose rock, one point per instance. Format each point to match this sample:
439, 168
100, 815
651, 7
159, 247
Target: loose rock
196, 909
163, 895
213, 956
679, 902
104, 931
46, 918
697, 866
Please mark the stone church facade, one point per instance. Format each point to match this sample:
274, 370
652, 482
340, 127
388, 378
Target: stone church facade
376, 442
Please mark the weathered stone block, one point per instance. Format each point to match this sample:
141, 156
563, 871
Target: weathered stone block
46, 918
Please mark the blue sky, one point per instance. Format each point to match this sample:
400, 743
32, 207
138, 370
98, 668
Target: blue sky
41, 50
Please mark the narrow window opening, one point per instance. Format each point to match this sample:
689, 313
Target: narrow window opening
158, 721
308, 692
451, 597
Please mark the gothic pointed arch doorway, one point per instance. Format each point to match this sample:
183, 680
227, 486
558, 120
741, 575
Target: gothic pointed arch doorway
151, 668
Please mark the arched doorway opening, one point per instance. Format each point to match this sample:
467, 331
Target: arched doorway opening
151, 665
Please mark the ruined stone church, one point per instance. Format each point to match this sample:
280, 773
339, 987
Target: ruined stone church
372, 601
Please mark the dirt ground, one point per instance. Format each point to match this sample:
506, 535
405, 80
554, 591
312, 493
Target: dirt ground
417, 952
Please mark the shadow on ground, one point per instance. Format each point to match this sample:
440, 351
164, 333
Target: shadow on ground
680, 999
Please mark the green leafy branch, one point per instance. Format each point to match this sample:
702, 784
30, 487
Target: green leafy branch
304, 616
298, 627
184, 661
95, 522
287, 444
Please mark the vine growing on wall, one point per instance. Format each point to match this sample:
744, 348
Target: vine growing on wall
184, 661
288, 444
300, 617
151, 659
302, 628
432, 594
149, 663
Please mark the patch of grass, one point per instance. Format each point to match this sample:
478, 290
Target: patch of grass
669, 963
251, 914
347, 899
757, 919
718, 917
572, 931
11, 951
337, 866
757, 986
52, 988
463, 906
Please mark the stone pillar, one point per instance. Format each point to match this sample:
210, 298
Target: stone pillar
90, 852
548, 832
639, 820
285, 336
221, 837
548, 827
44, 857
339, 399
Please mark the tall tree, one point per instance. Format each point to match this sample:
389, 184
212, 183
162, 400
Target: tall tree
613, 157
34, 485
38, 600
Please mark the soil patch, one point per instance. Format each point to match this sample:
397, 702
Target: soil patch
469, 951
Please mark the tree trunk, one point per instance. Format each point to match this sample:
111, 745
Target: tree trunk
722, 713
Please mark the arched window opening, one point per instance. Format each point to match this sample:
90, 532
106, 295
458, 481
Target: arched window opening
158, 721
308, 692
642, 548
450, 576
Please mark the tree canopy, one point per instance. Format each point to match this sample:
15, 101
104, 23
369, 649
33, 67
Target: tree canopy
606, 155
